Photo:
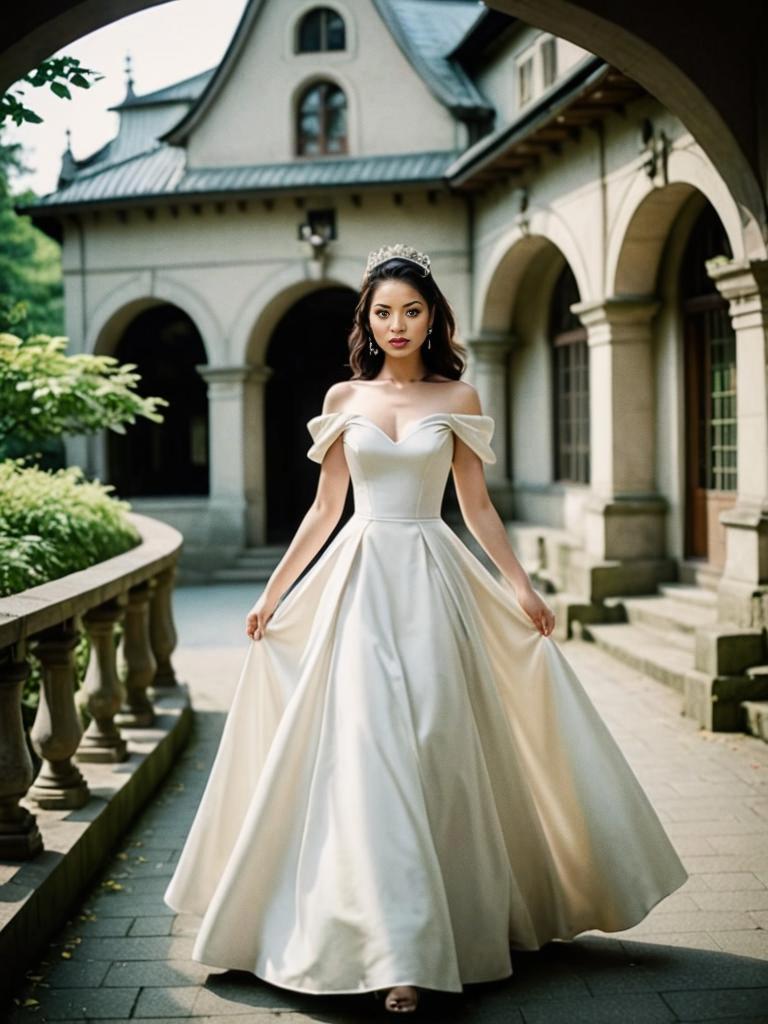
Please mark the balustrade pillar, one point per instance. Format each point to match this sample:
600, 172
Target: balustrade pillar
57, 730
162, 632
102, 692
20, 837
137, 657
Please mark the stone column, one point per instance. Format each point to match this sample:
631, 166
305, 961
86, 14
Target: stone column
236, 456
743, 587
57, 729
162, 632
255, 455
19, 835
490, 362
625, 516
101, 690
137, 658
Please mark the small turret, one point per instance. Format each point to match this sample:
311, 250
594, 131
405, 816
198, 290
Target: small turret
68, 163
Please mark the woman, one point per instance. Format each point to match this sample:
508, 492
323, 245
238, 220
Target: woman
411, 780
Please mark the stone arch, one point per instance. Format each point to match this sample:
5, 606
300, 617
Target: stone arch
274, 295
116, 309
511, 259
646, 217
650, 45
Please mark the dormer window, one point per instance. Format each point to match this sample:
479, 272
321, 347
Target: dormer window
322, 120
321, 29
536, 70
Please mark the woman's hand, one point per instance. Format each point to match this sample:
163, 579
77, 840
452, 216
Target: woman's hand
537, 610
258, 617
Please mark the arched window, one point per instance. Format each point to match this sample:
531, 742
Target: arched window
322, 120
570, 356
321, 29
710, 382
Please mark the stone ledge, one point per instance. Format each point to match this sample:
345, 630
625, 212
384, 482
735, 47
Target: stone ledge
37, 896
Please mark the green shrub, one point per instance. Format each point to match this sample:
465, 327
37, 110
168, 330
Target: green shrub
52, 524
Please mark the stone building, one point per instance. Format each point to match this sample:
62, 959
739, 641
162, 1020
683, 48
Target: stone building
609, 288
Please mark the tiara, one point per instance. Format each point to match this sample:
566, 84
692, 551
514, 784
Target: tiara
401, 252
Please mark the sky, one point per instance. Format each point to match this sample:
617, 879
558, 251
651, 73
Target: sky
166, 44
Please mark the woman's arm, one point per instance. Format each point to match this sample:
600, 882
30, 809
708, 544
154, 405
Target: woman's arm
486, 526
317, 525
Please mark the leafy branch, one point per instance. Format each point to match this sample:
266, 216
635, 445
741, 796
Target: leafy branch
58, 73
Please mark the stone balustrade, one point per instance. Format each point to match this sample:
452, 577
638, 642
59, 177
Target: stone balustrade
134, 589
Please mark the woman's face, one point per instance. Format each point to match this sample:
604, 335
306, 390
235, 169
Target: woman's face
398, 311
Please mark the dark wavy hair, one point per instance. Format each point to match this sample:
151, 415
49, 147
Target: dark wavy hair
446, 355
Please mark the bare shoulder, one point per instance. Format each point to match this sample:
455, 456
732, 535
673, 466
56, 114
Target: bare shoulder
465, 398
337, 396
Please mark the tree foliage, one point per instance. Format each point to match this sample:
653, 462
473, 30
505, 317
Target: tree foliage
45, 393
52, 524
31, 293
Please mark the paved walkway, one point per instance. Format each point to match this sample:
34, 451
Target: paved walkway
701, 955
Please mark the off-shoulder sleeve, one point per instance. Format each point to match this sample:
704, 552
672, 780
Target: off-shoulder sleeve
475, 431
324, 429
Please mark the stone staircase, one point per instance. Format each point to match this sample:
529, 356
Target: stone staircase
674, 636
658, 637
252, 565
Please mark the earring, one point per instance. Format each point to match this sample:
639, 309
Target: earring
373, 349
429, 338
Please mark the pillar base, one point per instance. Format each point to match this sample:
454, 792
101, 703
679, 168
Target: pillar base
56, 791
20, 839
136, 718
715, 701
102, 749
626, 529
742, 593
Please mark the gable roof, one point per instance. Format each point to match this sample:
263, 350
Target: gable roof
425, 31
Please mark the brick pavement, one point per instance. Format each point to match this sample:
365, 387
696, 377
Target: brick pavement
701, 955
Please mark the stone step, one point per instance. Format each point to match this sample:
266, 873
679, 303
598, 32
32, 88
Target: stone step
648, 650
669, 615
699, 574
234, 574
700, 597
756, 718
253, 565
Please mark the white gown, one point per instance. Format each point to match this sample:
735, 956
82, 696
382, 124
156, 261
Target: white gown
411, 780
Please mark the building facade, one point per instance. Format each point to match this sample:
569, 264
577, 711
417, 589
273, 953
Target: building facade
609, 288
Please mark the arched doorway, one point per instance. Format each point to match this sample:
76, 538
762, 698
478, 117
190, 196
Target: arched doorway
168, 458
307, 353
709, 356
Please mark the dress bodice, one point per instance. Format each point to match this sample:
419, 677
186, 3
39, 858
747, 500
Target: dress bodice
403, 479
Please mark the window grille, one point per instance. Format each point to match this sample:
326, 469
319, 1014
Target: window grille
322, 121
571, 383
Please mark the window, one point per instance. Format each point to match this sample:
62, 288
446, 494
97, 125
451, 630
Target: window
322, 121
571, 383
525, 81
321, 29
711, 358
548, 51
